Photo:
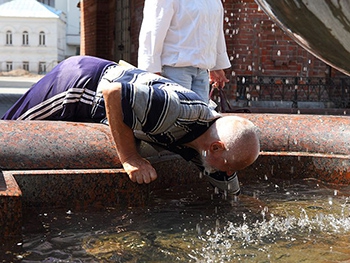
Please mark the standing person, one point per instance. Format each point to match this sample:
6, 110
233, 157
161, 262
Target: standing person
183, 40
146, 106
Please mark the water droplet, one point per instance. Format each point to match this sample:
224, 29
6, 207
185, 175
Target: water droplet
198, 229
330, 201
216, 190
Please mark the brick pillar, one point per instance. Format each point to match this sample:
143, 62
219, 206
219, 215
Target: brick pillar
97, 28
136, 9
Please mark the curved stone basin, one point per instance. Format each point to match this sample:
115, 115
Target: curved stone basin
50, 164
302, 146
323, 140
320, 26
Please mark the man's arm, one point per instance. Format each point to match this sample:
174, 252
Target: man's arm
138, 168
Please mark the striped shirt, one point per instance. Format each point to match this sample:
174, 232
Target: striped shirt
157, 109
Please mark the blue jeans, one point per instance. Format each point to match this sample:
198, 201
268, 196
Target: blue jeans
192, 78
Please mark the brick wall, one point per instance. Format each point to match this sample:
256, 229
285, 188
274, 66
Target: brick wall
257, 46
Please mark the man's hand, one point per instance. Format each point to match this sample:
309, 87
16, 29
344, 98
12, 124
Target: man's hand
140, 170
217, 78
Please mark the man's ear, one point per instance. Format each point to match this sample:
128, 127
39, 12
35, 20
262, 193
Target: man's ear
217, 146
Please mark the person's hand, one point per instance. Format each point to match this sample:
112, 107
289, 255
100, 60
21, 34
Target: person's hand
140, 170
217, 78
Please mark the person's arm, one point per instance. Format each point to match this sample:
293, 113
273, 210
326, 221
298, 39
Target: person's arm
218, 78
138, 168
156, 21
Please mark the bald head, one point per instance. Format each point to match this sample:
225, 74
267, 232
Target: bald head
239, 140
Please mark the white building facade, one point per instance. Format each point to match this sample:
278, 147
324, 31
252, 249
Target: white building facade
35, 36
70, 8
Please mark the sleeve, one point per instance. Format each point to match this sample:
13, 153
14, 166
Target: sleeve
222, 59
157, 15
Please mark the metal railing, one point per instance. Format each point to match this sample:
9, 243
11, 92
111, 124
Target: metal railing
333, 92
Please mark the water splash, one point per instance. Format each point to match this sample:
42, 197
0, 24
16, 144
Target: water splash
247, 239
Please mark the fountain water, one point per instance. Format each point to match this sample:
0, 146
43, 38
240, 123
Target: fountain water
300, 222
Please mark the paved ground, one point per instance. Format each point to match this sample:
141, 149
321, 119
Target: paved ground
12, 88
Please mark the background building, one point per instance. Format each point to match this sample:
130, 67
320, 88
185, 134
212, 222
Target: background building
36, 36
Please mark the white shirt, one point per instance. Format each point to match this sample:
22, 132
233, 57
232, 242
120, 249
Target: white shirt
182, 33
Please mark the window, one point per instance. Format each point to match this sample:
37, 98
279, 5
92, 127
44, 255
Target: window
48, 2
42, 68
42, 38
8, 37
9, 66
26, 65
25, 38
